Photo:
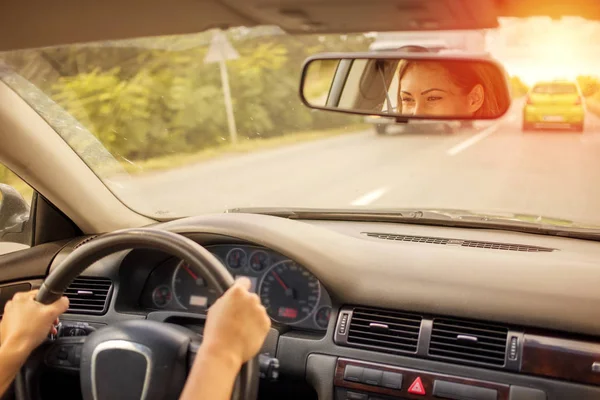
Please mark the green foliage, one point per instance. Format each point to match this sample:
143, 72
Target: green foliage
518, 88
590, 85
156, 97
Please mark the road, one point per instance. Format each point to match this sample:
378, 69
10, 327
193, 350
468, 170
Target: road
493, 168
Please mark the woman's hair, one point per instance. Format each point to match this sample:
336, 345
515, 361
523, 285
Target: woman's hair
466, 75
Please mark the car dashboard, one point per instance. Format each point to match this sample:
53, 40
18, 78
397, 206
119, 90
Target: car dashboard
375, 310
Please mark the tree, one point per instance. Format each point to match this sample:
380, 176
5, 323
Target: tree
518, 87
589, 85
151, 97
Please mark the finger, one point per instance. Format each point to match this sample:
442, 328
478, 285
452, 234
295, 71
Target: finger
59, 306
255, 298
243, 282
20, 296
30, 294
62, 304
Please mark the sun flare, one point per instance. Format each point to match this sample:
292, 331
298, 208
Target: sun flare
541, 49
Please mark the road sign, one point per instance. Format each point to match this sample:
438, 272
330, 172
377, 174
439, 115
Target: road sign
220, 51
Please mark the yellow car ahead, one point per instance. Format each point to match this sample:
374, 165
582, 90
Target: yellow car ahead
556, 104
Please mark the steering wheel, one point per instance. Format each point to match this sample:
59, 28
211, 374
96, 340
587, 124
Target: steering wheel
142, 359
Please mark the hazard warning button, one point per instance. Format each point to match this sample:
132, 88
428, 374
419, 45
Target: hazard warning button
417, 387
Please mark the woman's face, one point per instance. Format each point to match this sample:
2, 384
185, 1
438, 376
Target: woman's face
427, 89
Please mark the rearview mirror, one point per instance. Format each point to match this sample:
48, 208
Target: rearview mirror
406, 86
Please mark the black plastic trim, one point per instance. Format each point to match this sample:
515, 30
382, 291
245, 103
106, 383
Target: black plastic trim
50, 224
29, 263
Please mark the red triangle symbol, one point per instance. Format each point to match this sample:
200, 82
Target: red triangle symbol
417, 387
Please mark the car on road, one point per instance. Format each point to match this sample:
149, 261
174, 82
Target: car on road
383, 125
554, 104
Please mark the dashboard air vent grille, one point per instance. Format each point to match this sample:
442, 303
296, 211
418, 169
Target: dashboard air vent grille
468, 341
89, 295
384, 330
461, 242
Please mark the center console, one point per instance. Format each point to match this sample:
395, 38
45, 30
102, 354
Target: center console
360, 380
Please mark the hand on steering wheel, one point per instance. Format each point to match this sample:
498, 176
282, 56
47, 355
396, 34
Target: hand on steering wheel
25, 323
237, 323
235, 329
143, 359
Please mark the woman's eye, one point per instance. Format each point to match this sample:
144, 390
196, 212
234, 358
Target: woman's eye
407, 100
433, 98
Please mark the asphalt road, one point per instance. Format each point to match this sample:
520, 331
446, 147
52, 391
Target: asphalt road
493, 168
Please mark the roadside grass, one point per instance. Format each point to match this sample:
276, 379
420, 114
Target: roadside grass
243, 146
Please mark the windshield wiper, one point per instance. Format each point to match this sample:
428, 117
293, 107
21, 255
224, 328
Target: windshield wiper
450, 218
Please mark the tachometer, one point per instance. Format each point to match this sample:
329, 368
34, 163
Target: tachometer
289, 292
191, 291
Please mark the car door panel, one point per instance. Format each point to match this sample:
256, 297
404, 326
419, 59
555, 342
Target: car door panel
28, 264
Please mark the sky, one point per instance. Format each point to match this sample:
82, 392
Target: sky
539, 48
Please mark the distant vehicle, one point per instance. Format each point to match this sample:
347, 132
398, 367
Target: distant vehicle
554, 104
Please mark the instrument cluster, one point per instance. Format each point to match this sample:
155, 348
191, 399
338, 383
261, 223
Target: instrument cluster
290, 293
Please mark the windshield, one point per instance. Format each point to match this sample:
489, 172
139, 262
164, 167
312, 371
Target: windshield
185, 125
555, 88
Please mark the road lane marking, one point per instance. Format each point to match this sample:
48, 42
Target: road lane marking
472, 140
370, 197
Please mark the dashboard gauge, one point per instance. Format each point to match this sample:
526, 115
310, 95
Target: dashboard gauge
322, 317
162, 296
190, 289
236, 258
259, 260
289, 292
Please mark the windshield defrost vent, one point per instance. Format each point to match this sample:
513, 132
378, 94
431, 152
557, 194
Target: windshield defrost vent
460, 242
84, 241
384, 330
466, 341
89, 295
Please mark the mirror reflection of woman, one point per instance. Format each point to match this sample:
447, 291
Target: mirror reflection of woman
450, 88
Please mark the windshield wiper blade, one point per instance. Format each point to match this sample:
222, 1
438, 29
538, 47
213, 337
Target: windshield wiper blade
450, 218
352, 214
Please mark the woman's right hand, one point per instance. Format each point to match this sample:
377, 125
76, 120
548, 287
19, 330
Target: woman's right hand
236, 325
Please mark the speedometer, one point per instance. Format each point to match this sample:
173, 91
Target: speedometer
191, 291
289, 292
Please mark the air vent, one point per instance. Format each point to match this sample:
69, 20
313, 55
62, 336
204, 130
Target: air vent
84, 241
384, 330
468, 341
460, 242
89, 295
